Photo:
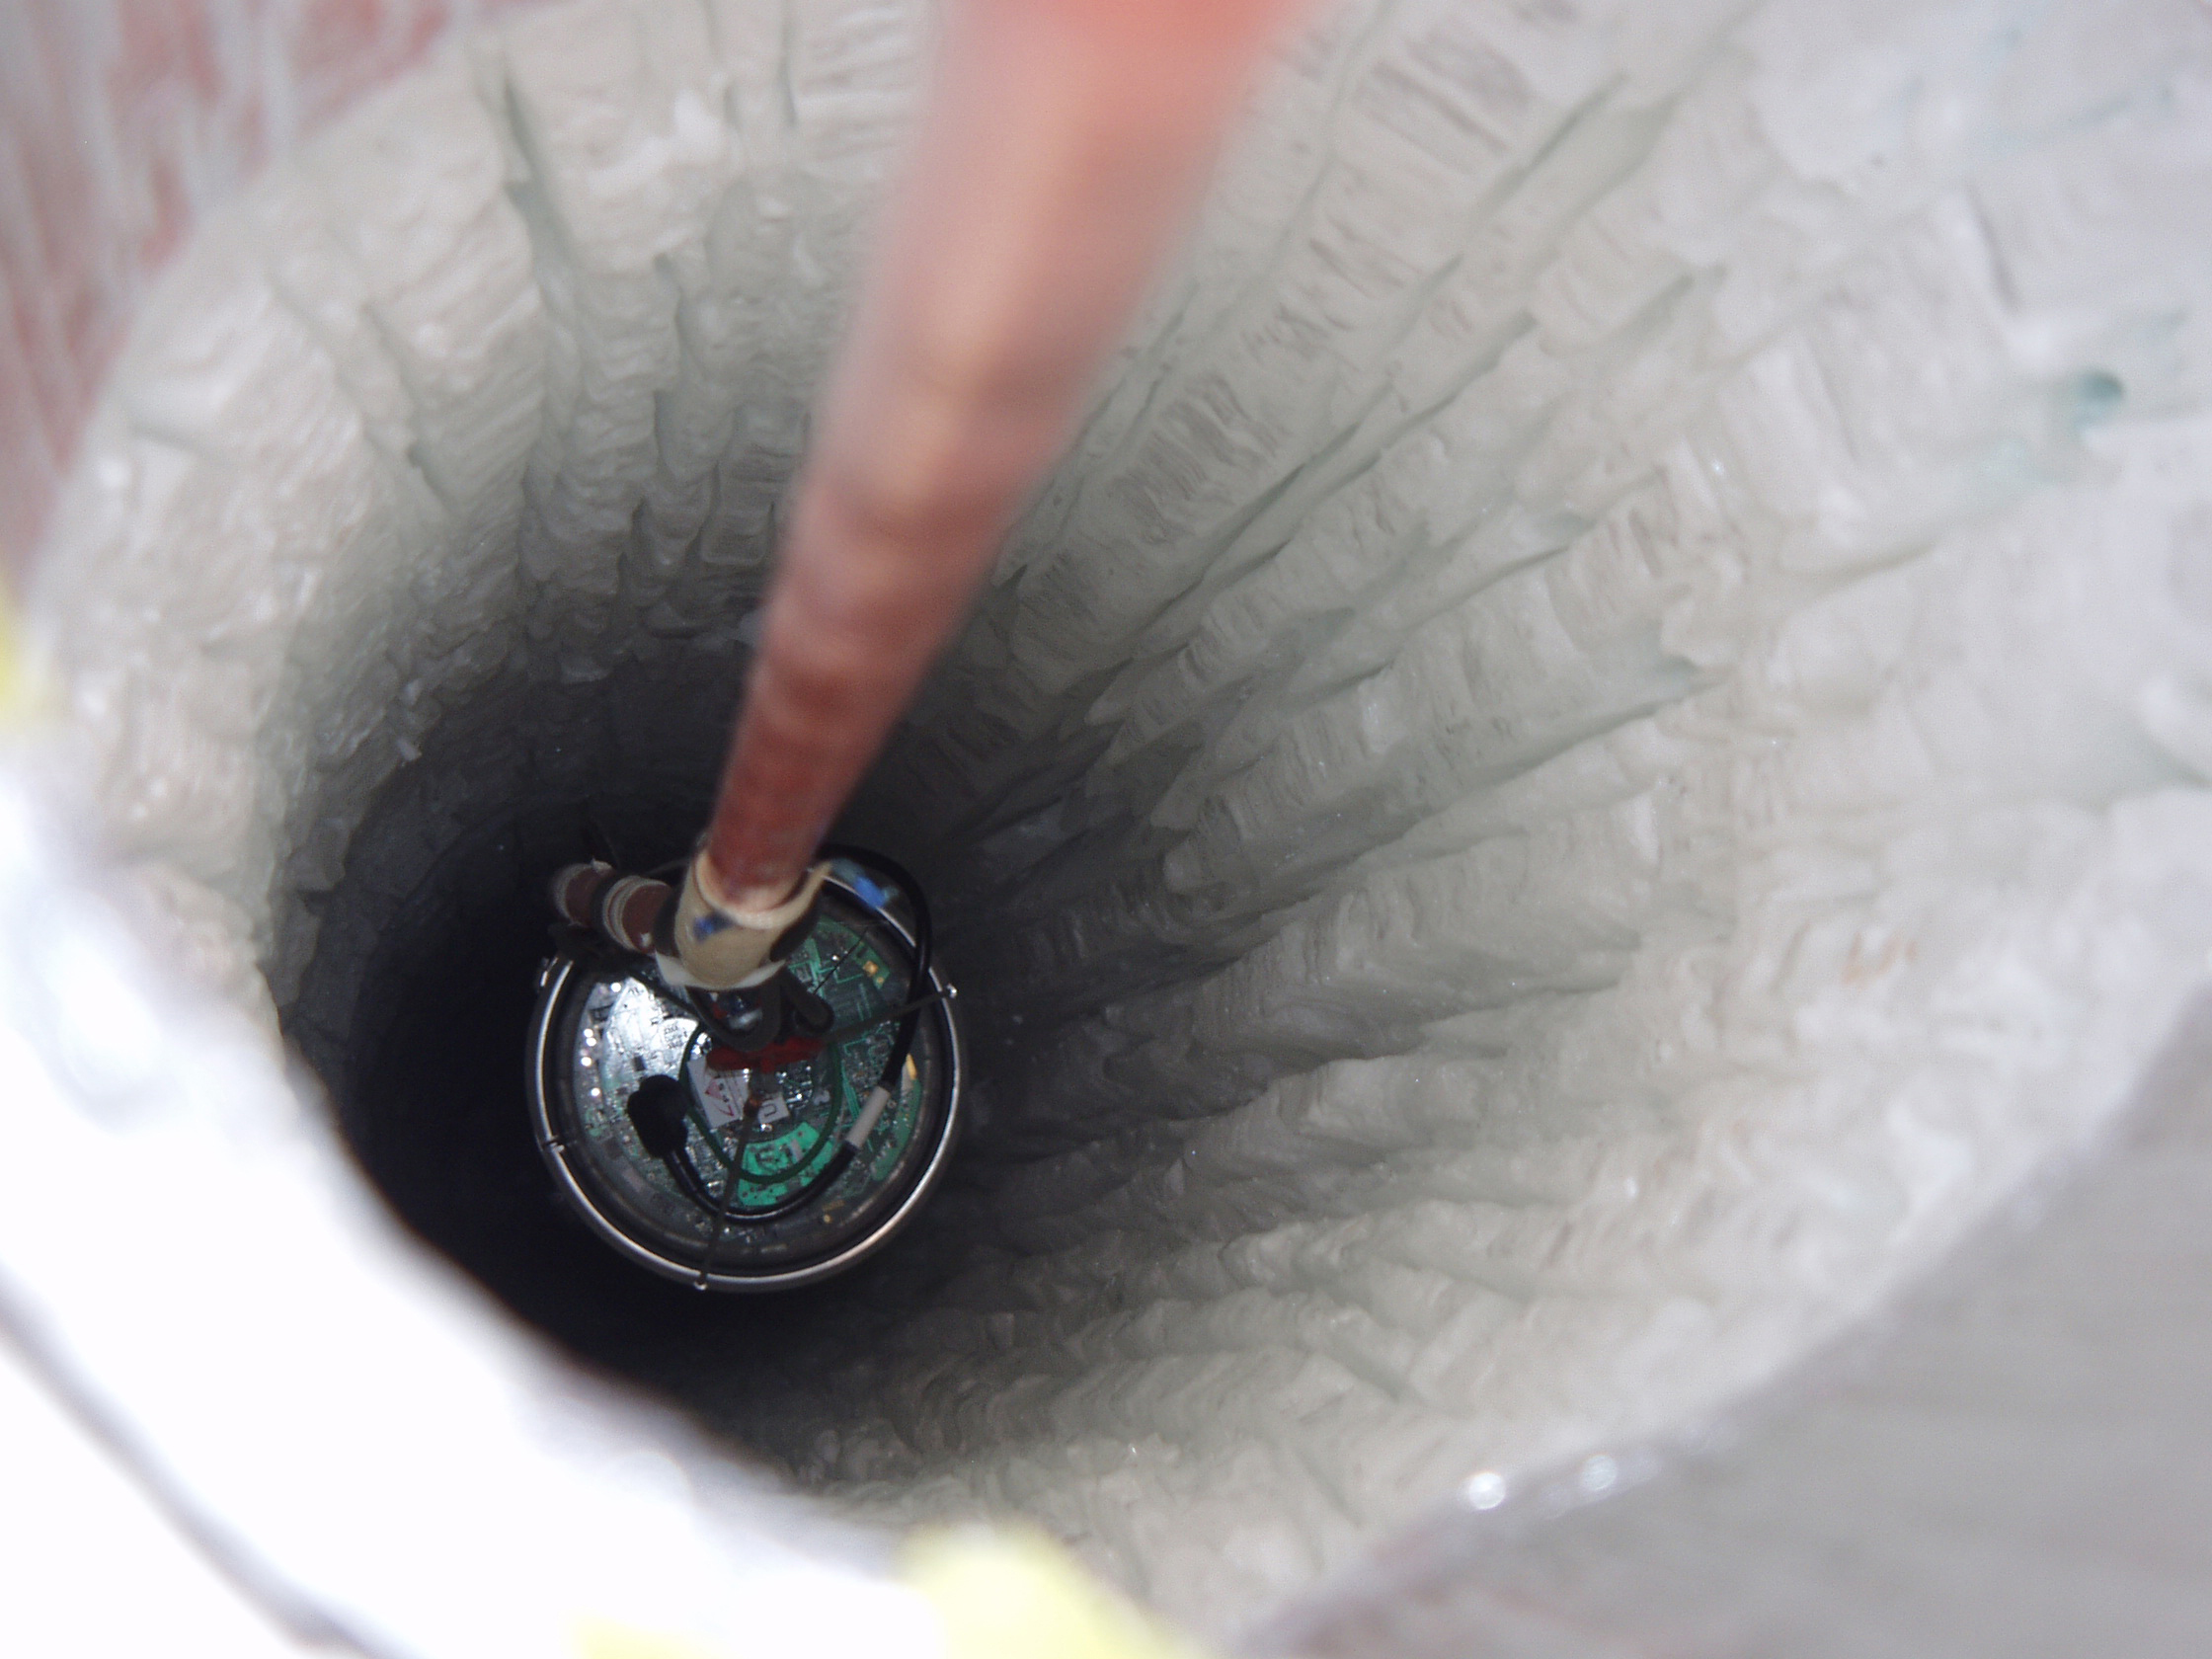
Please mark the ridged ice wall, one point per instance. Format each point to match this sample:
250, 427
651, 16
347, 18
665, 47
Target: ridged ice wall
1601, 743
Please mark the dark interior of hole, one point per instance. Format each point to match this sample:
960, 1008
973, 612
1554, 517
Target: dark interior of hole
421, 1045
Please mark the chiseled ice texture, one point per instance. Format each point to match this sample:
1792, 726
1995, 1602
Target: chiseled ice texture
1601, 743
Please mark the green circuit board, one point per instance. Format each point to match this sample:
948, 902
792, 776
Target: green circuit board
776, 1126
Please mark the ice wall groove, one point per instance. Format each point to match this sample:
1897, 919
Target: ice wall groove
1600, 744
1749, 382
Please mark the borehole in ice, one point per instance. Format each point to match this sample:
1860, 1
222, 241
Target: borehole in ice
1600, 744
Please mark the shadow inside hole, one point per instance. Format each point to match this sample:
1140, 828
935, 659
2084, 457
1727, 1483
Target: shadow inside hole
427, 1073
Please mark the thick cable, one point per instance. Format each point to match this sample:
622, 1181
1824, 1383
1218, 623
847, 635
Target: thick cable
1063, 146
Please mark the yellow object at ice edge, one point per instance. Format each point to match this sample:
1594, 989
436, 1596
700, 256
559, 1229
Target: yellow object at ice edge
18, 685
1018, 1595
604, 1638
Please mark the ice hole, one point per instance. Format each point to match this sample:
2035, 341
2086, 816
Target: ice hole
1600, 744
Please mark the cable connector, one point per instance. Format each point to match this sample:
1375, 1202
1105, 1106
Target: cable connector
721, 948
619, 907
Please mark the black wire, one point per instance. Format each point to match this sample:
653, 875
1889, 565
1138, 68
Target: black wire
924, 937
705, 1197
696, 1189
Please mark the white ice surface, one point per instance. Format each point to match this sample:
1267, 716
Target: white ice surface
1601, 745
74, 1527
209, 1329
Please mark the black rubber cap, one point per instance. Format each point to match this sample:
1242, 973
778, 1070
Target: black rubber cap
656, 1109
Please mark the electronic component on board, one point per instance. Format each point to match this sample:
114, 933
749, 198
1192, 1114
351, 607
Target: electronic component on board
761, 1139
